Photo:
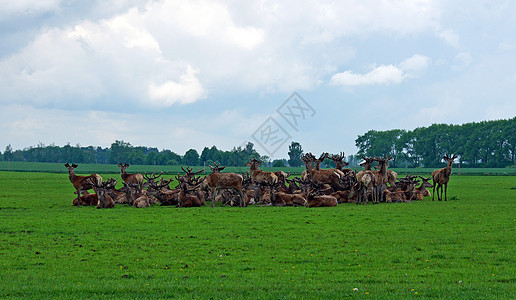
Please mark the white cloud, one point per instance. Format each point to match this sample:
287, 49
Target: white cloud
27, 7
187, 90
384, 74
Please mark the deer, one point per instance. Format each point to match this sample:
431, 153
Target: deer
82, 183
199, 190
391, 175
104, 200
321, 176
317, 163
259, 175
161, 189
185, 198
314, 199
366, 181
130, 178
217, 181
421, 191
381, 177
86, 200
278, 198
442, 177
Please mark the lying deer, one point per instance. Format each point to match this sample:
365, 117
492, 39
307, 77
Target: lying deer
82, 183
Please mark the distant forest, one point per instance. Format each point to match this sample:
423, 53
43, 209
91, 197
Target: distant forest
478, 144
488, 144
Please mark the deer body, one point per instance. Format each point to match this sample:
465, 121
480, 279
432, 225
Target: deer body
259, 175
82, 183
130, 178
441, 178
217, 181
321, 176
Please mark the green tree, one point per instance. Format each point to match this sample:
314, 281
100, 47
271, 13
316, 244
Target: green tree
191, 158
279, 163
120, 151
295, 151
8, 153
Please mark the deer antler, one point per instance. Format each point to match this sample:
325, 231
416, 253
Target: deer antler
152, 177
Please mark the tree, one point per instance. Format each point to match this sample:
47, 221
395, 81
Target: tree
295, 151
120, 152
8, 154
279, 163
191, 158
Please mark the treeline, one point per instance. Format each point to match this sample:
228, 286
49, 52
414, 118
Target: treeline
484, 144
121, 151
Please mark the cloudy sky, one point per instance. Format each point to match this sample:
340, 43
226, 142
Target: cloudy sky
188, 74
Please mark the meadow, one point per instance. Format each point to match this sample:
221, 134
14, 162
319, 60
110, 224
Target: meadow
462, 248
20, 166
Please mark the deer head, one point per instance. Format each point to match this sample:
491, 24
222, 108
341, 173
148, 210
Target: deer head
217, 168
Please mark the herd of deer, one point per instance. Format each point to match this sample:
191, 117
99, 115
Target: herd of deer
315, 187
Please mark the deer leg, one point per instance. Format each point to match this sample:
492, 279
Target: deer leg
445, 192
79, 197
242, 203
214, 196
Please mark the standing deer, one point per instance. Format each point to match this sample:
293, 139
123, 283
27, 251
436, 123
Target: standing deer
442, 177
130, 178
217, 181
366, 180
259, 175
317, 163
321, 176
82, 183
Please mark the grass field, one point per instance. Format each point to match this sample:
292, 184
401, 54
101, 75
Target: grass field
462, 248
20, 166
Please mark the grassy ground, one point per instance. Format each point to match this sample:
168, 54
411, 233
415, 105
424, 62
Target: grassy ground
20, 166
462, 248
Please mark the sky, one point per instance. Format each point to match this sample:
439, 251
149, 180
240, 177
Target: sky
188, 74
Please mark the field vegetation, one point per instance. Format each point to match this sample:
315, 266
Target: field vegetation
462, 248
114, 169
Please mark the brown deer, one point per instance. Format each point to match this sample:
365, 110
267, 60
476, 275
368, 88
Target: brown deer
186, 197
442, 177
82, 183
321, 176
421, 191
217, 181
391, 176
130, 178
259, 175
86, 200
314, 199
104, 200
317, 163
366, 181
381, 177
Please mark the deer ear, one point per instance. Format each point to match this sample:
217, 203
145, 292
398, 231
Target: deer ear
74, 165
119, 164
67, 165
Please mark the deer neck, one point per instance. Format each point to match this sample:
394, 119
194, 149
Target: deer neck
309, 168
72, 176
449, 167
124, 174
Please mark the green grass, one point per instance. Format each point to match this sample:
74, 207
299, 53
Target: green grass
20, 166
462, 248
